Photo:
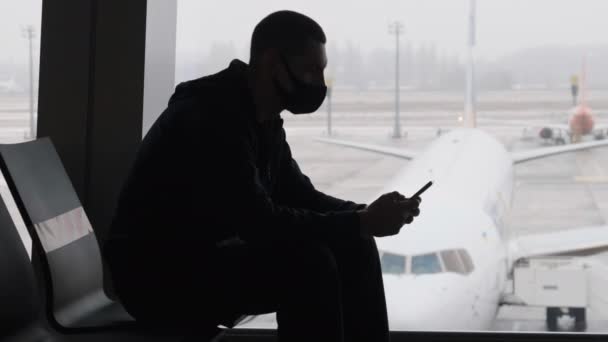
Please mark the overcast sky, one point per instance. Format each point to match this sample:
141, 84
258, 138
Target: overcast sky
502, 25
14, 15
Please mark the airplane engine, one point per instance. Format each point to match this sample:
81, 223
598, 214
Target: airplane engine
546, 133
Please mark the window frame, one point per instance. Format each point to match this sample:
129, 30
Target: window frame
269, 335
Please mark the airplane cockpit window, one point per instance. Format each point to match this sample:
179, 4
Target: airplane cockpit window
426, 264
393, 263
451, 261
457, 261
466, 260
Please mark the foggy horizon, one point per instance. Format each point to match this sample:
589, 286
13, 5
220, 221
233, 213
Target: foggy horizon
502, 26
513, 38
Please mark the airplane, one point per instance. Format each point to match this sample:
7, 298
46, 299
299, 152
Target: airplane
581, 121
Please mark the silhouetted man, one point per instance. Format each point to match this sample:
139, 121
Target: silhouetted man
216, 220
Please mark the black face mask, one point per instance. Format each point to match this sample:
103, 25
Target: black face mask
304, 98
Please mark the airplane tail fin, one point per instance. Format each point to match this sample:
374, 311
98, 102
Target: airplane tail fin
583, 98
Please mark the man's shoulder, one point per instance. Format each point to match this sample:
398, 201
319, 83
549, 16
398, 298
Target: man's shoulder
211, 109
214, 88
199, 93
220, 97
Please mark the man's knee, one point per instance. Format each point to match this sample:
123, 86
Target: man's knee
311, 282
310, 263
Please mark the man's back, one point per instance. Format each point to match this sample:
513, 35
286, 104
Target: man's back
174, 176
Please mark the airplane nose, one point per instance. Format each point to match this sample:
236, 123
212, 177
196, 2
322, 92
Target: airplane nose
416, 303
409, 305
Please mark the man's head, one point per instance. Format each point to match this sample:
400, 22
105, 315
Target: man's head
288, 51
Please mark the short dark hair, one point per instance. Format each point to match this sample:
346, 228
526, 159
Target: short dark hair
287, 31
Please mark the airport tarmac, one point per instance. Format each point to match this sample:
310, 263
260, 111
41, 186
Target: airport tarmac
551, 194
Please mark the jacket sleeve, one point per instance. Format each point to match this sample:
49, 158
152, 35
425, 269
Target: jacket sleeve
246, 205
297, 190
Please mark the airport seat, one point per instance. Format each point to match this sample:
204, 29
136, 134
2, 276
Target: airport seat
22, 318
69, 255
59, 227
20, 305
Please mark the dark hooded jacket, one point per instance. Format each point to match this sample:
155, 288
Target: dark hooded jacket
208, 172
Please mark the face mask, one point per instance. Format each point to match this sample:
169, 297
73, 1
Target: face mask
304, 98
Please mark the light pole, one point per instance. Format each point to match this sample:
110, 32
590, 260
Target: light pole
29, 34
329, 83
396, 28
470, 112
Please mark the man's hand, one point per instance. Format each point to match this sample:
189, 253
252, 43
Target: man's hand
386, 215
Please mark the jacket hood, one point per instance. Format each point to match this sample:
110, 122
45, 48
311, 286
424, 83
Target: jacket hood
234, 76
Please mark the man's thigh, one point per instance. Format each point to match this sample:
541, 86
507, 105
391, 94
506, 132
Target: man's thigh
255, 278
245, 278
355, 255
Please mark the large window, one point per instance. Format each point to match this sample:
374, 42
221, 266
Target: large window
466, 90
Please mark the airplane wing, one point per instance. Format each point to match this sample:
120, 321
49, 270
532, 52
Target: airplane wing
506, 122
387, 150
556, 127
537, 153
526, 124
576, 241
600, 127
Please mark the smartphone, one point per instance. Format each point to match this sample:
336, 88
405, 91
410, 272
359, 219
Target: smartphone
423, 189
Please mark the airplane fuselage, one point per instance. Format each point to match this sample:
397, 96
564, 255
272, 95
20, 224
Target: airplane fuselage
465, 209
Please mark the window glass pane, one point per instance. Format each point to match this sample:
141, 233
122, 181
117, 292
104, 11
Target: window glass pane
464, 103
19, 62
426, 264
393, 263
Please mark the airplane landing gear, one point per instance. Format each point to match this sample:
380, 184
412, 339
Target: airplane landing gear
580, 318
552, 315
